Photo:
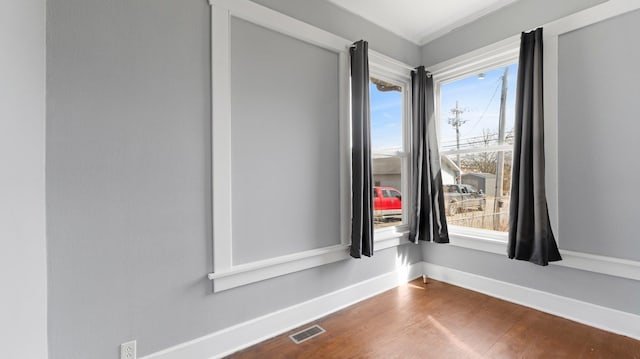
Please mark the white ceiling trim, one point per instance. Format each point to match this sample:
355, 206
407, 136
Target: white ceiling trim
428, 37
421, 21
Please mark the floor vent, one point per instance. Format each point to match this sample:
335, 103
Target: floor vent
306, 334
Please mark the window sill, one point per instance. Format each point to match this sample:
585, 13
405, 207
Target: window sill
496, 242
390, 237
482, 240
274, 267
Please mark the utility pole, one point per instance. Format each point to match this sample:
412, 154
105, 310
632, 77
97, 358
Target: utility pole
497, 203
457, 122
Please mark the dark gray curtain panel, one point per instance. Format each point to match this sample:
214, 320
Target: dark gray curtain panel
530, 235
361, 177
427, 221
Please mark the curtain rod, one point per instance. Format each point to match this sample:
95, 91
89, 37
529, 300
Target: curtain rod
388, 58
392, 60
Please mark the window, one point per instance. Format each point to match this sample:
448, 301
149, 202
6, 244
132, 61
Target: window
476, 121
389, 162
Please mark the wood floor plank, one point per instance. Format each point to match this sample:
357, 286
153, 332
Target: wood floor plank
437, 320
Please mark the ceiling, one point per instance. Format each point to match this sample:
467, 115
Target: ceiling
421, 21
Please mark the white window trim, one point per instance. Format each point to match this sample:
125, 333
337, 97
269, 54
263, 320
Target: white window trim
490, 57
552, 32
496, 55
392, 71
226, 274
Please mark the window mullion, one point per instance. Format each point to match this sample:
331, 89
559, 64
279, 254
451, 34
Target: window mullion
493, 148
390, 151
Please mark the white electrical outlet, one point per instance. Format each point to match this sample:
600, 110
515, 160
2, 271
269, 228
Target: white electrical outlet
128, 350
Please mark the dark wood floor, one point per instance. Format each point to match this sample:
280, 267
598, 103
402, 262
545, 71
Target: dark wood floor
438, 320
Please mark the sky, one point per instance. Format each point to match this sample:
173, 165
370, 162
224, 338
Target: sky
386, 119
479, 99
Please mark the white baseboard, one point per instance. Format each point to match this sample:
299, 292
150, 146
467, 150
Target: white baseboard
590, 314
240, 336
245, 334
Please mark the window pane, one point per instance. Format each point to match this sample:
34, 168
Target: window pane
386, 143
477, 112
470, 109
473, 202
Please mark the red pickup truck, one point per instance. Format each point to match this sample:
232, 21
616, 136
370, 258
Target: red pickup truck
387, 202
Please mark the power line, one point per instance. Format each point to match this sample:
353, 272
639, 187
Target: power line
495, 91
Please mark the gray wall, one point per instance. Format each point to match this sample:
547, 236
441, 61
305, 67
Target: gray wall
588, 143
519, 16
128, 184
285, 144
598, 90
128, 177
325, 15
23, 262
